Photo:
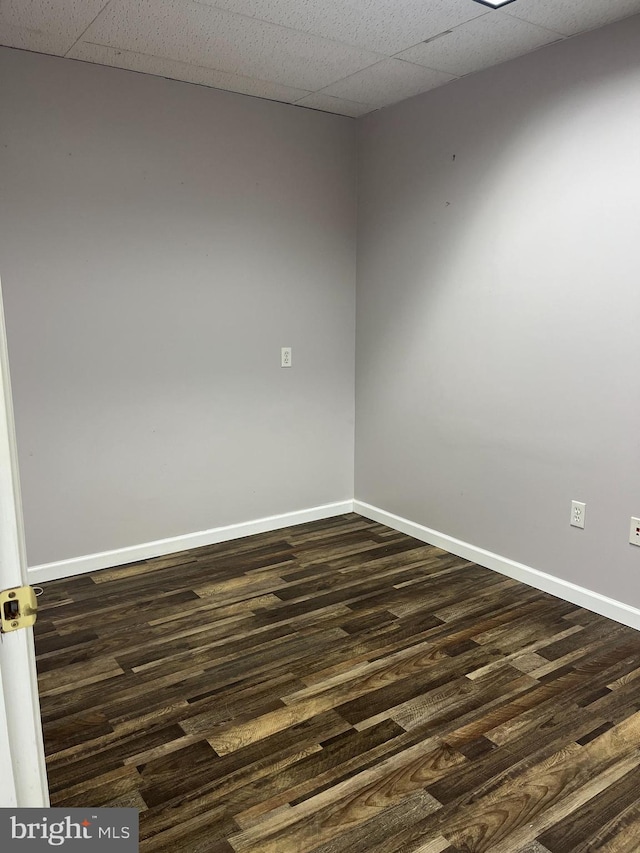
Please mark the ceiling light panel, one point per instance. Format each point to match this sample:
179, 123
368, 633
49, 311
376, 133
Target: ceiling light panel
384, 26
494, 4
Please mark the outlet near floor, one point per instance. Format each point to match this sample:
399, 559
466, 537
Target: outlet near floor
634, 532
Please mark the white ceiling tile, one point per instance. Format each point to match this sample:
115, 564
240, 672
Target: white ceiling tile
47, 26
572, 16
329, 104
282, 49
479, 44
202, 35
182, 71
385, 26
387, 82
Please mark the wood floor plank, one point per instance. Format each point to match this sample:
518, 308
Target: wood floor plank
339, 687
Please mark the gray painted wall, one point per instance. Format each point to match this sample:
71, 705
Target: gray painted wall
498, 309
159, 243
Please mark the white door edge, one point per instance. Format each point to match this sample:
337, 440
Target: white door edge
8, 796
23, 780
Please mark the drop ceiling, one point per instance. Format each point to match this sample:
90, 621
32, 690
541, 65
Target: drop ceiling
340, 56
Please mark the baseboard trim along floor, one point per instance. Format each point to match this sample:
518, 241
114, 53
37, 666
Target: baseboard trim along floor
174, 544
583, 597
594, 601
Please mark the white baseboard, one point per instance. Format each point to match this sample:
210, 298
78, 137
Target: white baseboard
566, 590
161, 547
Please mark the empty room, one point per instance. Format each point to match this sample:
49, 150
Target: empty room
320, 493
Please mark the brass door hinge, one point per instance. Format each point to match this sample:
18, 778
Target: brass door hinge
18, 608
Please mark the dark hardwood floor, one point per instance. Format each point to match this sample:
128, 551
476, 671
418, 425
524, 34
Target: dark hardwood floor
341, 688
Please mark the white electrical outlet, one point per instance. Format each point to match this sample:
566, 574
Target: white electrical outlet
578, 510
634, 532
285, 356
